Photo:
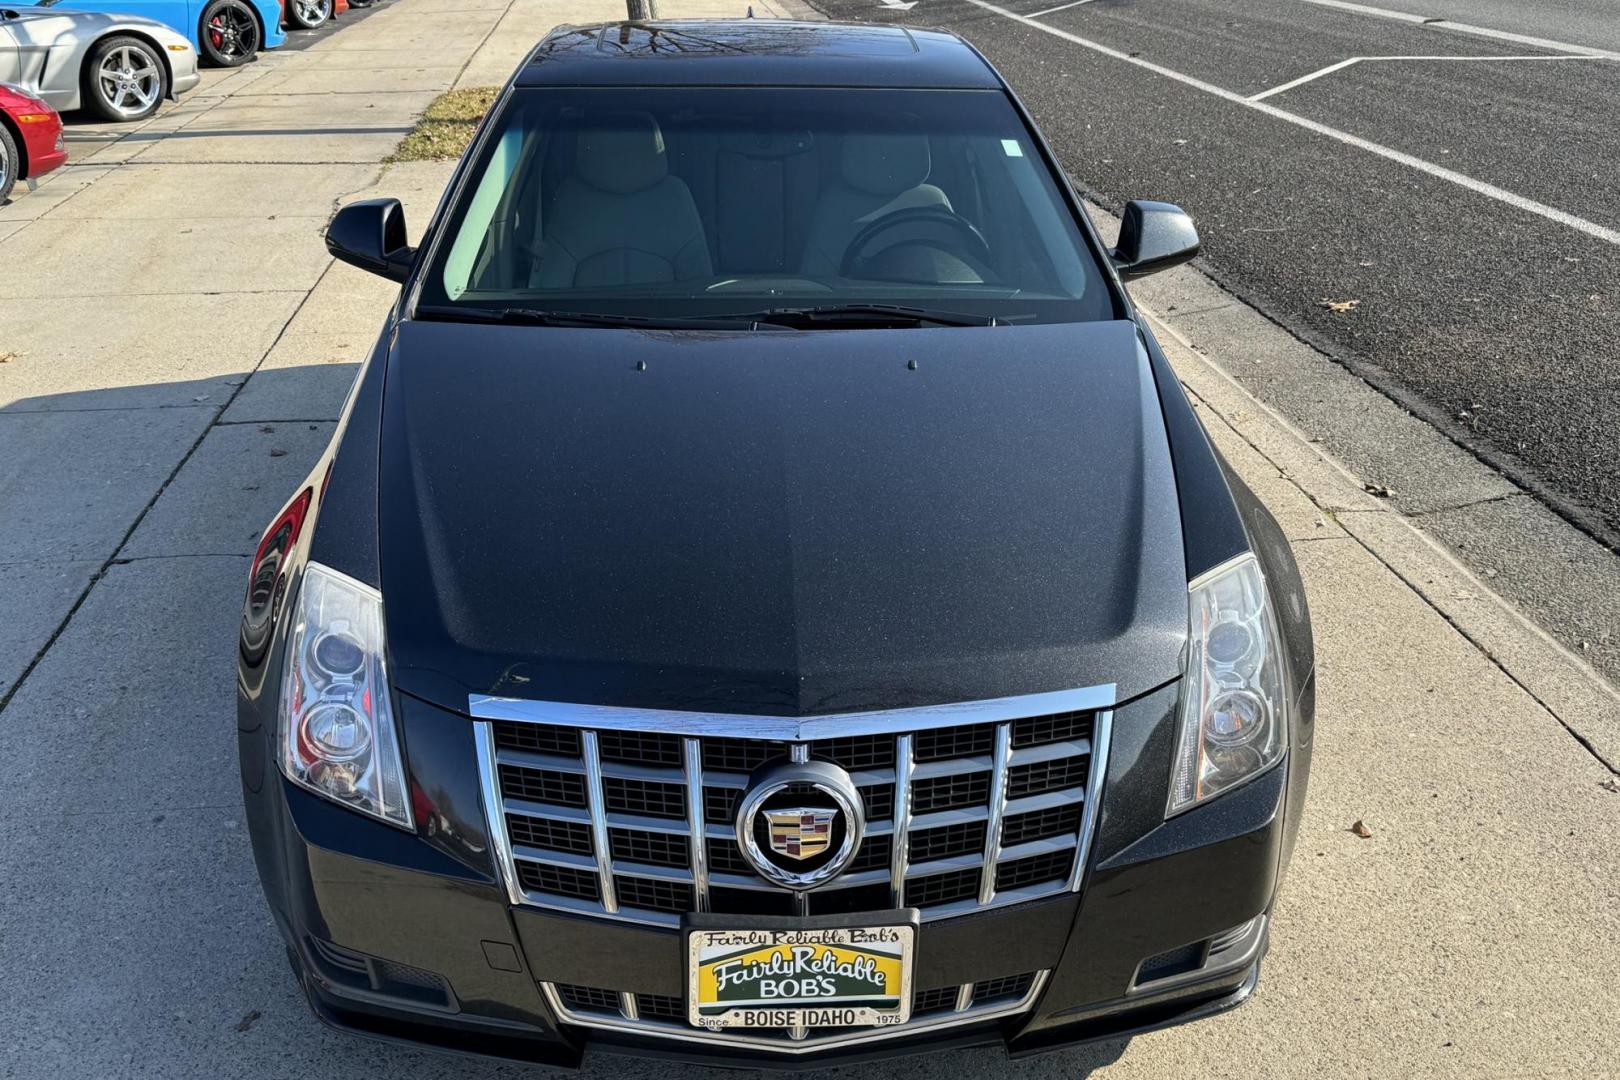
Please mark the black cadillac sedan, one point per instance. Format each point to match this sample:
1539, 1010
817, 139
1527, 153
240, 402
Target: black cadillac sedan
768, 600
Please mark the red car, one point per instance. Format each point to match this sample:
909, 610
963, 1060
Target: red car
30, 138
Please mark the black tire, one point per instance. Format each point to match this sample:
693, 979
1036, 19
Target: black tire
124, 78
229, 33
10, 162
308, 14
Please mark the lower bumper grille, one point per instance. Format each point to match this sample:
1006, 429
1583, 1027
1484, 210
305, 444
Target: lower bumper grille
655, 1014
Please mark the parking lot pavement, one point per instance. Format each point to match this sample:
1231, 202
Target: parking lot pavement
147, 434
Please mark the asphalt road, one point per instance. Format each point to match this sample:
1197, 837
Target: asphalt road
1462, 210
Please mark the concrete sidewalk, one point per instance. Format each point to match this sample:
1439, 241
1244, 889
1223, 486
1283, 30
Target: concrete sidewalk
178, 351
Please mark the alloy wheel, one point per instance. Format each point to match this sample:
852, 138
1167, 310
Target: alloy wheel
233, 33
130, 80
311, 13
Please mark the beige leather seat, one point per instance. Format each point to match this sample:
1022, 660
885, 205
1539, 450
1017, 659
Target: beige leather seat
879, 174
621, 219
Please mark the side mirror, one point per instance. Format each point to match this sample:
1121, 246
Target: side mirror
371, 235
1154, 236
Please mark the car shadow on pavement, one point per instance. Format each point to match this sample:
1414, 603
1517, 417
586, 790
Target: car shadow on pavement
136, 938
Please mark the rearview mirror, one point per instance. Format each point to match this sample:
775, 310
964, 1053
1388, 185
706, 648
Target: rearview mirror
1154, 236
371, 235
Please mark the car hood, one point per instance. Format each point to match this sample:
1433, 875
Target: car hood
783, 523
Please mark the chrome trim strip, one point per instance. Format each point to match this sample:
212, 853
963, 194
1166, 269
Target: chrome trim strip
627, 1005
964, 997
998, 809
812, 1044
1096, 770
790, 728
900, 820
597, 802
1033, 755
489, 785
697, 834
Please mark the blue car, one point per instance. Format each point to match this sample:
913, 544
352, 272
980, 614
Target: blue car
224, 32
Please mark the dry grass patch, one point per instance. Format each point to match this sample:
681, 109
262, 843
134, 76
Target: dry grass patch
448, 125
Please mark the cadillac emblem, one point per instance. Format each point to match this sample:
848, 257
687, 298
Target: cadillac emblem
801, 832
800, 822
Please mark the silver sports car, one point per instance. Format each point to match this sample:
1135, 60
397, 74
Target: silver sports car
119, 67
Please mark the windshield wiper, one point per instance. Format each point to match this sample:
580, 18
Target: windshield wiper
841, 315
546, 317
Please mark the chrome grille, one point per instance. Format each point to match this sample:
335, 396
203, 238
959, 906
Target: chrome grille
629, 814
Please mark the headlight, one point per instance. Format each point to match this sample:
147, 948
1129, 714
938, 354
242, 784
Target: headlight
335, 725
1234, 712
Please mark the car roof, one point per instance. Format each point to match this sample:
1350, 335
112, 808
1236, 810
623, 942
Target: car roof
755, 52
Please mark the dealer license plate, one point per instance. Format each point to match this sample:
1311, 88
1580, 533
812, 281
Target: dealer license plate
800, 975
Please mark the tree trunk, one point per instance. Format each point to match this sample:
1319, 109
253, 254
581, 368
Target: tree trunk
641, 9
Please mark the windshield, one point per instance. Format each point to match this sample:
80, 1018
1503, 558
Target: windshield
691, 202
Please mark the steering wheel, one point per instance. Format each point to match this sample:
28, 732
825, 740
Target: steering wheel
922, 226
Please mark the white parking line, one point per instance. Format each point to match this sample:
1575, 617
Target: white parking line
1479, 187
1463, 28
1342, 64
1060, 7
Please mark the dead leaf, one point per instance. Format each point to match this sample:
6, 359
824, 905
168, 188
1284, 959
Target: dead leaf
1340, 305
1611, 784
278, 452
1361, 830
7, 357
249, 1020
1383, 491
268, 429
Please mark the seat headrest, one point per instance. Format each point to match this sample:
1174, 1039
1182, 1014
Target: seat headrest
886, 164
623, 155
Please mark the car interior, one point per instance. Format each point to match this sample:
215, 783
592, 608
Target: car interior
688, 201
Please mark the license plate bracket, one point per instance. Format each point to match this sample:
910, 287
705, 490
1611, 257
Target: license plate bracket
812, 972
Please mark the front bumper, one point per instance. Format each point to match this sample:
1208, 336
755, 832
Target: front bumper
184, 75
413, 937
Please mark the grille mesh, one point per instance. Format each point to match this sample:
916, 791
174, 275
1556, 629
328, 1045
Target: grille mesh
588, 998
720, 804
1009, 986
654, 798
856, 752
950, 792
878, 799
659, 1007
1040, 824
654, 848
1058, 727
1044, 776
537, 738
655, 894
1033, 870
542, 785
927, 1001
942, 888
956, 742
549, 833
947, 841
562, 880
640, 747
